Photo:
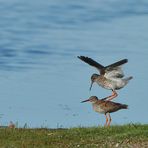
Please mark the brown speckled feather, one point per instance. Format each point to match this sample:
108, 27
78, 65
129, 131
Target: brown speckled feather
110, 106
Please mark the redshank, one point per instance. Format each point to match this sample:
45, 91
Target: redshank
105, 107
111, 76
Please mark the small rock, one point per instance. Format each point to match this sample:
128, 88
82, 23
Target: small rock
117, 145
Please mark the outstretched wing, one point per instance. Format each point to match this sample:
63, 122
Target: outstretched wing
92, 63
112, 70
121, 62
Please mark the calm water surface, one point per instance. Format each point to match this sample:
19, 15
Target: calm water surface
42, 82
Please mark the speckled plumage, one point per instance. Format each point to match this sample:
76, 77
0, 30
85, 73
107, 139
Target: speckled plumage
105, 107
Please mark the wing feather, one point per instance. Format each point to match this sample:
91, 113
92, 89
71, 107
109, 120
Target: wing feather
91, 62
115, 72
111, 71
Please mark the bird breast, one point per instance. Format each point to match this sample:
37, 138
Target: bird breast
106, 84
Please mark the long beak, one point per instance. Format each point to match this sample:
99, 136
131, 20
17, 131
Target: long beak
91, 85
85, 101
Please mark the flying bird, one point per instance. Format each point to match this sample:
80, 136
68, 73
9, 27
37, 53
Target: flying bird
109, 77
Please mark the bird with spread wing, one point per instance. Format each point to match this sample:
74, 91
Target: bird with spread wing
110, 77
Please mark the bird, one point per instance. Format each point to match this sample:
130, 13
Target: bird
105, 107
110, 77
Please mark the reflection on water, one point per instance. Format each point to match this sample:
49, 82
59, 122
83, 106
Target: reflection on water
39, 45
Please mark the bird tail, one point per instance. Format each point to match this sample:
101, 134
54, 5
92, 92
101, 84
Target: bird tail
128, 78
124, 106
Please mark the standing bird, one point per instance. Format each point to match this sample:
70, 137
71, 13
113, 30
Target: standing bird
111, 76
105, 107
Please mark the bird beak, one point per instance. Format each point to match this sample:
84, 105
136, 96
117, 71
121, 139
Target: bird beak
91, 85
85, 101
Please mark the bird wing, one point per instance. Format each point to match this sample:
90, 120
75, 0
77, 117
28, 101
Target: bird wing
112, 70
92, 63
115, 72
118, 63
109, 106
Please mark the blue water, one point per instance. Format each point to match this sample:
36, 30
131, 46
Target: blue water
42, 82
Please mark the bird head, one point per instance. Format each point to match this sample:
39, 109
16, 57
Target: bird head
92, 99
93, 79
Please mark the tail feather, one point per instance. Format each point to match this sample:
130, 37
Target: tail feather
124, 106
128, 78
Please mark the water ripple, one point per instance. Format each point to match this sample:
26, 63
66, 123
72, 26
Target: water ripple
34, 30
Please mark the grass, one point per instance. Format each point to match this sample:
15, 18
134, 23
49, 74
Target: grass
132, 135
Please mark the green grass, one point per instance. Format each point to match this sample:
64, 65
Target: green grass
132, 135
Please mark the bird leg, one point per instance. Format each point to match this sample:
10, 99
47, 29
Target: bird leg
110, 119
114, 95
106, 120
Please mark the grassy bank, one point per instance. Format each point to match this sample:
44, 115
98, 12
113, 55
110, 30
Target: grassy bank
115, 136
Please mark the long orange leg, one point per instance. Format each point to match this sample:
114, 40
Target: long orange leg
110, 119
106, 120
114, 95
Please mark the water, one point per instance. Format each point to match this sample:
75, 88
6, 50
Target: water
42, 81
